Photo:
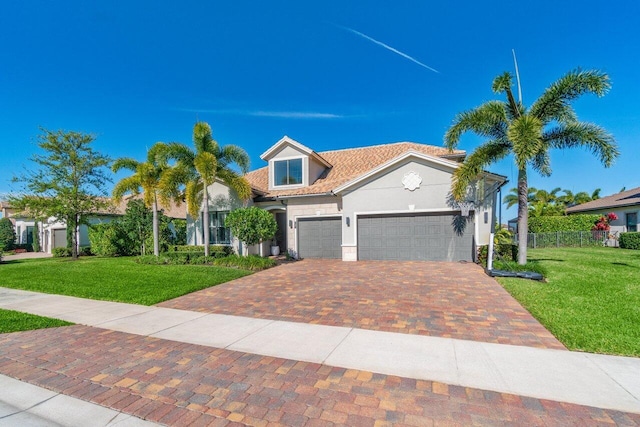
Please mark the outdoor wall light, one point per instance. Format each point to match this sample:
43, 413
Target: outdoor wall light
486, 217
290, 223
347, 221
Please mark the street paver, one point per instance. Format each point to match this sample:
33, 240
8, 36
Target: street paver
452, 300
185, 384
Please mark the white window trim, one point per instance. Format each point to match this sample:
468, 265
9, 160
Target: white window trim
272, 173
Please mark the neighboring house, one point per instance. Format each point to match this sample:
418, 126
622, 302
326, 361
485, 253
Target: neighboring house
53, 233
23, 226
380, 202
626, 205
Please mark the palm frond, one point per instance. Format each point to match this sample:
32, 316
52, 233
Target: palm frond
488, 120
237, 183
130, 184
525, 133
230, 154
474, 165
193, 194
124, 163
588, 135
203, 138
554, 102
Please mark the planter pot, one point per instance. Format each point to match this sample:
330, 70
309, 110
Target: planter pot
275, 250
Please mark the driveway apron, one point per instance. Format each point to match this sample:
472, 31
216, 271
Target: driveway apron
450, 300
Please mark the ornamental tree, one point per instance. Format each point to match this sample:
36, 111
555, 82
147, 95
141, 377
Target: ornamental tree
252, 225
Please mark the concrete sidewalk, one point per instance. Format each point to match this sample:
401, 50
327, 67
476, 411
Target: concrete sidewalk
29, 405
608, 382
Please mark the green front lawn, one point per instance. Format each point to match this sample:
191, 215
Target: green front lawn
15, 321
112, 279
591, 301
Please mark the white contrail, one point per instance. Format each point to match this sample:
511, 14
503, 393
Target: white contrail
386, 46
262, 113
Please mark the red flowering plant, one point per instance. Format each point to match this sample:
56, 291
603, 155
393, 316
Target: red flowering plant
602, 224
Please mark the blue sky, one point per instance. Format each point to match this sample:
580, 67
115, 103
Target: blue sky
330, 74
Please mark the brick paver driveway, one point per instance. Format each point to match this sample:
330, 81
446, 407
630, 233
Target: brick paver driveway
184, 384
452, 300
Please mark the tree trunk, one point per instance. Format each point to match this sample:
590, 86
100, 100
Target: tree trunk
205, 218
156, 233
523, 216
74, 237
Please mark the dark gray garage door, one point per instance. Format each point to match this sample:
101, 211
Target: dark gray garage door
320, 238
433, 237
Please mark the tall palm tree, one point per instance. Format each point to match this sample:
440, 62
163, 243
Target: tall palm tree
201, 167
153, 178
528, 134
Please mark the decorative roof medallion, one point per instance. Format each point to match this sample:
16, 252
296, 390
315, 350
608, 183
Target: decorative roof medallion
411, 181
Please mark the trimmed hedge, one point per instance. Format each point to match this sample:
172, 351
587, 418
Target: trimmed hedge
251, 262
214, 250
630, 240
548, 224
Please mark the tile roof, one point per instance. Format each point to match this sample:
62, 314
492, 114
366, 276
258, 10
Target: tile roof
349, 164
624, 198
172, 211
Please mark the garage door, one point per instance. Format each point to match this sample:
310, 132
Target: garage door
60, 238
441, 237
320, 238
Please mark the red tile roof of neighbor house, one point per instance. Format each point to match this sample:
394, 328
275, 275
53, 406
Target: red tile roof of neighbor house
624, 198
349, 164
172, 210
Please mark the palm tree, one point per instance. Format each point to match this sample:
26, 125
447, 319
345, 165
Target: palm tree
200, 168
153, 178
528, 134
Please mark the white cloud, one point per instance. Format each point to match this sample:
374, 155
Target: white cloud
386, 46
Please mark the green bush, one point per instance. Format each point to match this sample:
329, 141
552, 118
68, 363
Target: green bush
61, 252
251, 262
85, 251
217, 251
106, 239
7, 234
630, 240
26, 246
547, 224
504, 251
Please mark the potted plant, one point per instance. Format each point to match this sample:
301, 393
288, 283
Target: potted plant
275, 246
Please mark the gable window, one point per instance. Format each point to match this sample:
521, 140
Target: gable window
632, 221
287, 172
218, 233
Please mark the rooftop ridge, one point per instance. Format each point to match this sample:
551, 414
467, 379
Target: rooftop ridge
385, 145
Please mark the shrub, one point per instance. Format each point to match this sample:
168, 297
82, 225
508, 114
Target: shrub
630, 240
25, 247
61, 252
546, 224
217, 251
106, 239
252, 225
251, 262
7, 234
85, 251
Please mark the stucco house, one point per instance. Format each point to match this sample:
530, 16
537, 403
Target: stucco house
626, 206
380, 202
52, 232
